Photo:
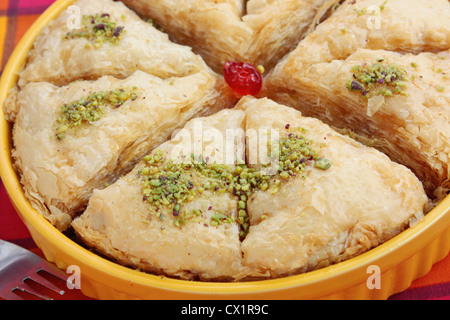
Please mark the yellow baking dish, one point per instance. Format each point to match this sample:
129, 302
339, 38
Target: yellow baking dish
377, 274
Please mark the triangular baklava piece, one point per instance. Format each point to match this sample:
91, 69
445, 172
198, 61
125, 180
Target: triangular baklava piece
331, 198
380, 70
69, 140
103, 37
255, 31
175, 213
308, 197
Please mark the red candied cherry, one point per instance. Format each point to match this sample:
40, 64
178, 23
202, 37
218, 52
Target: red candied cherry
242, 77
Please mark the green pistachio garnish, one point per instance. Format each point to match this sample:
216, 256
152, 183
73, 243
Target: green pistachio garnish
98, 29
188, 215
378, 79
323, 163
219, 218
295, 152
90, 109
169, 184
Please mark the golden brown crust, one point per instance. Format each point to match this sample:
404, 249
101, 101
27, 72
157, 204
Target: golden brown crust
412, 128
142, 47
59, 176
119, 224
309, 223
255, 31
90, 179
326, 217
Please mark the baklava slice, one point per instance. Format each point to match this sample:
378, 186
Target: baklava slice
380, 71
332, 198
305, 197
256, 31
176, 214
69, 140
91, 39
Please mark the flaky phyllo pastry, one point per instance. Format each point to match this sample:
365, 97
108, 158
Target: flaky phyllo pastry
195, 216
71, 139
166, 217
379, 70
256, 31
109, 39
124, 137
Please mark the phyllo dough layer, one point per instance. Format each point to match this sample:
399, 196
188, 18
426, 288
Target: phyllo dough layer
380, 70
69, 140
330, 215
256, 31
110, 39
195, 238
328, 199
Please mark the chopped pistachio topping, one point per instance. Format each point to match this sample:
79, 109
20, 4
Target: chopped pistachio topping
90, 109
295, 151
323, 163
183, 217
169, 184
98, 29
154, 24
383, 5
378, 79
219, 218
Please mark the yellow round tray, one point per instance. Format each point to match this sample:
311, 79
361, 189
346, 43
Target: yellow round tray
395, 264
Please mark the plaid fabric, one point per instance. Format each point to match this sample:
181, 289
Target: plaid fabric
16, 17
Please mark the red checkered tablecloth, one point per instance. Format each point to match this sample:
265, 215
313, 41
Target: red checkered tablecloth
16, 17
